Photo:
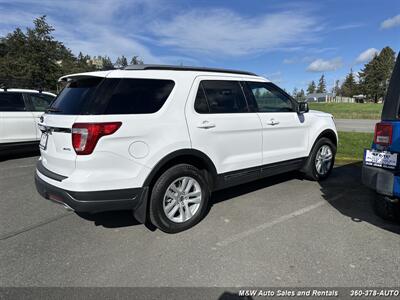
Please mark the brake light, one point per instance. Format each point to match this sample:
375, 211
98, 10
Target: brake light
383, 134
86, 135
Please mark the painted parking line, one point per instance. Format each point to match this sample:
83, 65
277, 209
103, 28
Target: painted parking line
18, 167
242, 235
34, 226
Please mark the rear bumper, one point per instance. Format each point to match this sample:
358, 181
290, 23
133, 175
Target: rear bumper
96, 201
381, 180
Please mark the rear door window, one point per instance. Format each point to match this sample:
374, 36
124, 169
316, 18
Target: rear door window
11, 101
40, 102
200, 104
138, 96
224, 96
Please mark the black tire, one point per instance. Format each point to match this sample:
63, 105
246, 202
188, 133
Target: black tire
310, 169
386, 209
156, 209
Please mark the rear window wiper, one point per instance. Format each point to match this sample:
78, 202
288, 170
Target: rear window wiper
52, 110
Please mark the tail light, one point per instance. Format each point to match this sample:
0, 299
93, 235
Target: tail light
383, 134
86, 135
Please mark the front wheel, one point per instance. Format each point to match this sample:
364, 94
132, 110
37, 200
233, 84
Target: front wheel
321, 160
179, 198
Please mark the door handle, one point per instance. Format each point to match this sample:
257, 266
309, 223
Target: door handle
272, 122
206, 125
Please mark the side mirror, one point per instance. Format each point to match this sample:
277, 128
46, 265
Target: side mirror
303, 107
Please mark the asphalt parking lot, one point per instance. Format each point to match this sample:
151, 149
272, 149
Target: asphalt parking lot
282, 231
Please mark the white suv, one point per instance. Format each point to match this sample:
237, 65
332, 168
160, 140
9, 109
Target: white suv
20, 110
159, 139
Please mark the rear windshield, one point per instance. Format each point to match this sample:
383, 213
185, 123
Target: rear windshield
112, 96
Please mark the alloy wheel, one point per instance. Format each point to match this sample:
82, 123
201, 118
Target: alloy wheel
182, 199
323, 160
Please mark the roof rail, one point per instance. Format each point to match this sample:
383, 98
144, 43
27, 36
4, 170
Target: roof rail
185, 68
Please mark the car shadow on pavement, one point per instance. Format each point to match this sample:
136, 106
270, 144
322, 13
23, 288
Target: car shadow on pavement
19, 154
115, 219
239, 190
111, 219
345, 192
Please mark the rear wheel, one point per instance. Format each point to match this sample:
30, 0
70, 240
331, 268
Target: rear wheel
321, 160
387, 209
179, 198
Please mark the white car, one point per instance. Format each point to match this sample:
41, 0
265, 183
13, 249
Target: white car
20, 110
159, 139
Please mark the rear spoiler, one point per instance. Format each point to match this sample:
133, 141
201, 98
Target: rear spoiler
392, 100
78, 76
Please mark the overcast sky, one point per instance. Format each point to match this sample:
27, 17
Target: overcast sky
290, 42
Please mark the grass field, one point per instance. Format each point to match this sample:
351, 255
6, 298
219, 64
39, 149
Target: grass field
351, 146
350, 110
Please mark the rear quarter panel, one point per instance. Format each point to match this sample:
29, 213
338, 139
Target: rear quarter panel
125, 158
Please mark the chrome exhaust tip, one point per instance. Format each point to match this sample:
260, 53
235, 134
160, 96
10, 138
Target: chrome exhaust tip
66, 206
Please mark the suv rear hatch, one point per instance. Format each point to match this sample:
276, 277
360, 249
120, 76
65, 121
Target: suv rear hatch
57, 152
77, 118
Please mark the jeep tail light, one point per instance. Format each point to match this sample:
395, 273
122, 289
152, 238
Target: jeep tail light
383, 134
86, 135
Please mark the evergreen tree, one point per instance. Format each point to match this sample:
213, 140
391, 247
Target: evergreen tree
107, 63
298, 95
386, 61
336, 88
311, 87
321, 84
349, 87
121, 62
118, 62
295, 92
13, 61
136, 60
375, 76
124, 61
301, 96
42, 54
369, 79
34, 59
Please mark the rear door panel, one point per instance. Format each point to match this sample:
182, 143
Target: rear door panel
234, 143
17, 121
19, 126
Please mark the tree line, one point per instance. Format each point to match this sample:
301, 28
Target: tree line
372, 82
35, 59
300, 95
